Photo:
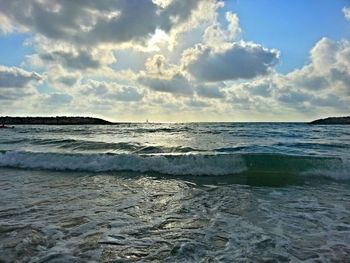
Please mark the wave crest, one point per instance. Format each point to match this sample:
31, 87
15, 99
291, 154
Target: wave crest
182, 164
173, 165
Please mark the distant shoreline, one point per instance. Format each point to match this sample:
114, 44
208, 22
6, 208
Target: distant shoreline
332, 120
59, 120
78, 120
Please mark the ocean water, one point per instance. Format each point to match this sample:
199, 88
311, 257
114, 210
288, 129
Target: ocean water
195, 192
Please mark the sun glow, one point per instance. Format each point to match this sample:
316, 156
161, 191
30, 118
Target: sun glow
158, 40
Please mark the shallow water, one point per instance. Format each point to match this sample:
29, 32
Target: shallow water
175, 193
59, 217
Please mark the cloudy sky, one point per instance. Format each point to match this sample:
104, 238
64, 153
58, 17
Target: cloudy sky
175, 60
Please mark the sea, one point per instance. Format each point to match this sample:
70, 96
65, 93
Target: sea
184, 192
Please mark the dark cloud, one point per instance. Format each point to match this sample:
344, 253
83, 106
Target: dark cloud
312, 82
15, 94
68, 80
80, 60
239, 61
111, 91
212, 92
294, 97
89, 22
331, 101
342, 76
12, 77
177, 84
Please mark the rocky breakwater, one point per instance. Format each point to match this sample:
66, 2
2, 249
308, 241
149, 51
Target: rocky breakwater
333, 120
52, 121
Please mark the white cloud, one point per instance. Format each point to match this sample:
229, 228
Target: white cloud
329, 70
318, 87
346, 11
233, 25
219, 38
5, 25
214, 37
13, 77
17, 89
57, 75
156, 65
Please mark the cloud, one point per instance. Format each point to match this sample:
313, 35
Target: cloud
111, 91
323, 84
68, 80
13, 95
81, 60
57, 76
56, 99
331, 101
329, 70
214, 37
5, 25
194, 103
262, 88
294, 97
13, 77
237, 61
127, 94
177, 84
16, 84
156, 65
93, 22
183, 57
308, 78
346, 11
233, 25
218, 38
212, 92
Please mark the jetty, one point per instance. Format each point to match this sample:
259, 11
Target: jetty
58, 120
332, 120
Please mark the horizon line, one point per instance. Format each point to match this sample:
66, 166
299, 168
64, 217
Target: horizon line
164, 122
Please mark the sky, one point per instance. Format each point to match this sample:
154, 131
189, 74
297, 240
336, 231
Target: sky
175, 60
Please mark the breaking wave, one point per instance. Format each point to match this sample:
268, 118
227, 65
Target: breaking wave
182, 164
165, 164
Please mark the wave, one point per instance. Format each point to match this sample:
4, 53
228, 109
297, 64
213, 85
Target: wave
85, 145
182, 164
173, 165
